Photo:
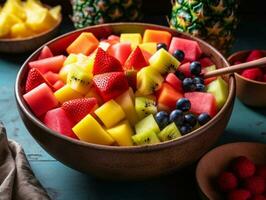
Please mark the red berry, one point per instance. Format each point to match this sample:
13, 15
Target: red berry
243, 167
258, 197
255, 184
253, 74
227, 181
254, 55
261, 171
239, 194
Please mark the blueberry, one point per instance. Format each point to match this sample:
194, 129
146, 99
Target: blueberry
180, 75
179, 55
185, 129
177, 117
190, 119
162, 119
197, 80
200, 87
203, 118
161, 45
188, 84
195, 68
183, 104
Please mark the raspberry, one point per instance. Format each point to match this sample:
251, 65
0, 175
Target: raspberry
243, 167
239, 194
255, 184
227, 181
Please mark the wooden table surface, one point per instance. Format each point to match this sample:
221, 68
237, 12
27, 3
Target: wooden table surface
63, 183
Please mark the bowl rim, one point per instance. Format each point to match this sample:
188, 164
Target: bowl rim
237, 74
150, 147
29, 38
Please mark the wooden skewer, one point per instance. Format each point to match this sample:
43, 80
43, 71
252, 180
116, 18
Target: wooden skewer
236, 68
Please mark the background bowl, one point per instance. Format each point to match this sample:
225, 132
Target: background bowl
252, 93
217, 160
138, 162
22, 45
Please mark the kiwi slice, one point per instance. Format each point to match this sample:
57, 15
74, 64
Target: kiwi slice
143, 138
79, 80
148, 81
169, 132
146, 125
144, 107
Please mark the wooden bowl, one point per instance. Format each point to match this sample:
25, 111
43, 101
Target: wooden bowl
22, 45
252, 93
218, 159
137, 162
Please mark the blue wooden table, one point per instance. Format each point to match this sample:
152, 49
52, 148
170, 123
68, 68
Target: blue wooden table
63, 183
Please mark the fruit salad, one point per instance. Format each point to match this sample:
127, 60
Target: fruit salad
255, 74
20, 19
125, 90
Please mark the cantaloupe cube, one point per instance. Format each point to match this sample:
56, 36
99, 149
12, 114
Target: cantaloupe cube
89, 130
66, 93
157, 36
122, 133
134, 38
150, 47
85, 43
110, 113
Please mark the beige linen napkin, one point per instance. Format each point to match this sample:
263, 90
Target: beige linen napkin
17, 181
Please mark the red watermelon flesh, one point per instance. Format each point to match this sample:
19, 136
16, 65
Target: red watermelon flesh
184, 68
45, 53
120, 51
254, 55
202, 102
167, 97
175, 82
131, 76
190, 48
146, 55
58, 121
58, 84
51, 77
136, 60
206, 62
53, 64
40, 99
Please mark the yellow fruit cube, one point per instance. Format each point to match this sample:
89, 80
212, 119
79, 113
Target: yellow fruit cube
86, 62
66, 93
56, 12
164, 62
89, 130
122, 133
6, 22
64, 71
134, 38
14, 7
150, 47
110, 113
20, 30
71, 58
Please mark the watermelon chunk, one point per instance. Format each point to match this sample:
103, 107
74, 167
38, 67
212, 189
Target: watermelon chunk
120, 51
206, 62
190, 48
202, 102
175, 82
58, 121
185, 69
136, 60
146, 55
40, 99
58, 84
53, 64
45, 53
51, 77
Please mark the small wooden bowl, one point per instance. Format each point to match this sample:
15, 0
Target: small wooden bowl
22, 45
217, 160
252, 93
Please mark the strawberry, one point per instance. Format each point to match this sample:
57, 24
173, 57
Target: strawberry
227, 181
34, 79
254, 55
253, 74
136, 60
77, 109
239, 194
110, 85
255, 184
131, 76
243, 167
105, 63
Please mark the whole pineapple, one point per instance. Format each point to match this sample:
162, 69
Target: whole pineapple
91, 12
212, 20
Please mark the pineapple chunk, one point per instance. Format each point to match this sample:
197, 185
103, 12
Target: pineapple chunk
66, 93
110, 113
14, 7
72, 58
6, 22
150, 47
89, 130
122, 133
20, 30
134, 38
56, 12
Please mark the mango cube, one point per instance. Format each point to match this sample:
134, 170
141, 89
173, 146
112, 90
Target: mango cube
134, 38
164, 62
89, 130
150, 47
110, 113
66, 93
157, 36
122, 134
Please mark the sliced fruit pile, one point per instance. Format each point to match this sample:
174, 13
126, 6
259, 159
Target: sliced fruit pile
243, 180
20, 19
127, 90
256, 74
